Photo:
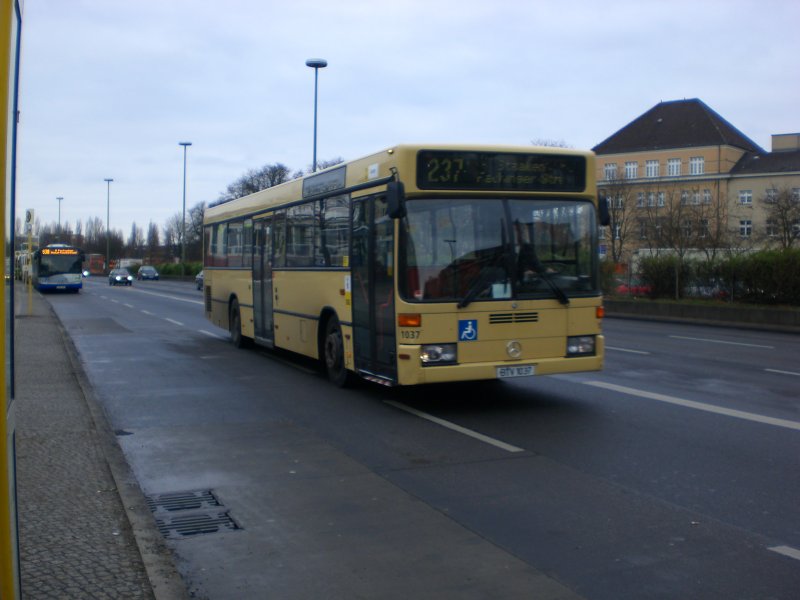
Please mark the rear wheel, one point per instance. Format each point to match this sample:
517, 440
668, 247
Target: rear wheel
333, 354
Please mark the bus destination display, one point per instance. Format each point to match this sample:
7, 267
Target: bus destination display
60, 251
464, 170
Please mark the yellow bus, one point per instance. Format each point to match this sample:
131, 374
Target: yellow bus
10, 26
418, 264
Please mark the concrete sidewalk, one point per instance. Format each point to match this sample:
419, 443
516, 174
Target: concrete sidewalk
85, 530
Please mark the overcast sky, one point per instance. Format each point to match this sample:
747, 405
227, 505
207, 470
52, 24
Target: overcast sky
109, 87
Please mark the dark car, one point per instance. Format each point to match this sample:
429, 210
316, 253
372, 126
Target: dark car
120, 277
198, 280
147, 273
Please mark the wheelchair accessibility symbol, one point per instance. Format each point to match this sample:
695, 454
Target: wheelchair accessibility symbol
468, 330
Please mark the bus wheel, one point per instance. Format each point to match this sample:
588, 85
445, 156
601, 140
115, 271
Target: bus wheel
235, 323
333, 354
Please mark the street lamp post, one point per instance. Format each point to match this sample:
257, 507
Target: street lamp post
108, 223
316, 64
59, 198
183, 220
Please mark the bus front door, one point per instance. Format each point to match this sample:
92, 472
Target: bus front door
372, 261
262, 282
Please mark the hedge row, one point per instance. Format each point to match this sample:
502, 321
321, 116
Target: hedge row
766, 277
174, 269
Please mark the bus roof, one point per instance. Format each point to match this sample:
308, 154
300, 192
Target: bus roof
377, 168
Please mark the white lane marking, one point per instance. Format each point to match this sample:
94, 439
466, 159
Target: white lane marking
457, 428
626, 350
728, 412
128, 305
695, 339
786, 551
174, 322
168, 296
147, 312
210, 334
783, 372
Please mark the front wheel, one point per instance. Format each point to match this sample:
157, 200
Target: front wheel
235, 324
333, 354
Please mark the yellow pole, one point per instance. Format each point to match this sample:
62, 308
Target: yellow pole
10, 21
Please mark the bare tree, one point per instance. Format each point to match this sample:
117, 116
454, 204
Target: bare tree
550, 143
153, 242
623, 226
135, 241
172, 235
256, 180
194, 231
782, 208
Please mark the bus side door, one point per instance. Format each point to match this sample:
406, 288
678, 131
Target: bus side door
372, 259
262, 282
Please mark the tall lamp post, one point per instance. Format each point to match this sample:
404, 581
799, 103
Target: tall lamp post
108, 223
183, 220
316, 64
59, 198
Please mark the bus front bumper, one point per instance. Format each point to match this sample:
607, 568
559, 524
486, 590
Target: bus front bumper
411, 372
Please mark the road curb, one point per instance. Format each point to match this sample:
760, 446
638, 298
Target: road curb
165, 580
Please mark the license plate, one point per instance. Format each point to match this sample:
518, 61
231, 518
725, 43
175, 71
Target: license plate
515, 371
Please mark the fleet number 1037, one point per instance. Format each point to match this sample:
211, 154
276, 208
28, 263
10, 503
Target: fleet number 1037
410, 334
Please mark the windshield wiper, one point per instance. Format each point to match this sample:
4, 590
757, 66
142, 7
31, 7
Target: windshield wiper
487, 274
477, 287
560, 294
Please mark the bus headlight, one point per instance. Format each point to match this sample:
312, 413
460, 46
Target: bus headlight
580, 345
433, 355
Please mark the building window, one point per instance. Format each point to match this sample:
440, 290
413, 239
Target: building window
684, 197
796, 194
704, 230
651, 199
674, 167
642, 229
617, 230
697, 165
696, 198
631, 170
772, 195
706, 197
651, 168
662, 199
772, 228
746, 197
745, 228
640, 200
610, 171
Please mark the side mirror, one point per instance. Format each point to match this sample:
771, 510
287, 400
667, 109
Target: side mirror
602, 205
395, 198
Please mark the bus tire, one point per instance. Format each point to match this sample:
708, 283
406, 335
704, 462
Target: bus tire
235, 325
333, 354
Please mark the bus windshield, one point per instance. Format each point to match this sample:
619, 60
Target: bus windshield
483, 249
57, 264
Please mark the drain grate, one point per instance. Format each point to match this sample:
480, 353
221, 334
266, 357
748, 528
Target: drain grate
195, 524
181, 514
182, 501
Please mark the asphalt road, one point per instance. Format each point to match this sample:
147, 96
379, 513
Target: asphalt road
671, 474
